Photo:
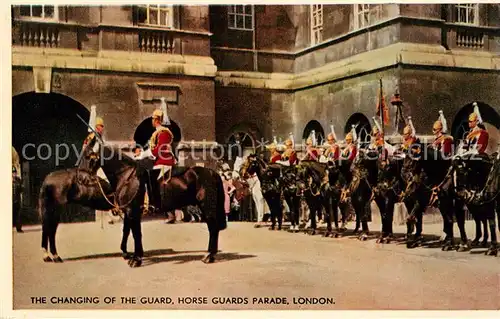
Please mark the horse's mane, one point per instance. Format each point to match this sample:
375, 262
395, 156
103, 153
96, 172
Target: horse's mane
116, 151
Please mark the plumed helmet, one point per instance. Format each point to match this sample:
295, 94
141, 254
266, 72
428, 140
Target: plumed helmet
288, 142
99, 121
157, 114
475, 115
309, 141
271, 146
330, 138
437, 125
349, 137
407, 130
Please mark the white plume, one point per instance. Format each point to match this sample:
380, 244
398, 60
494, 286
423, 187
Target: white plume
166, 120
443, 121
332, 129
93, 117
476, 110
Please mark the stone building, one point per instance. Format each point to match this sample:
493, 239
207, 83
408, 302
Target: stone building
244, 73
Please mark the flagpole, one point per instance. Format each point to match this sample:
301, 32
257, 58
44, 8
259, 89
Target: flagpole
381, 108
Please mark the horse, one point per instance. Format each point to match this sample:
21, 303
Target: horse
269, 176
125, 191
428, 185
364, 178
311, 175
322, 188
292, 194
474, 177
386, 193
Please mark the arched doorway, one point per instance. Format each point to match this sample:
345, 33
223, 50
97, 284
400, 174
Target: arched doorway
144, 131
363, 128
318, 131
48, 136
491, 120
243, 139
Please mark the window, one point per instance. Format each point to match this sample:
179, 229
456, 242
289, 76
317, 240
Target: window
316, 23
156, 15
366, 14
39, 12
467, 13
240, 17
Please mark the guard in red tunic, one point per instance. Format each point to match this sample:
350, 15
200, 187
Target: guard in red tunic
275, 154
289, 156
443, 142
312, 153
378, 141
477, 139
332, 153
350, 151
160, 153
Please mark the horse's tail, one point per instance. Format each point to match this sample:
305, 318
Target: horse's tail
220, 212
43, 200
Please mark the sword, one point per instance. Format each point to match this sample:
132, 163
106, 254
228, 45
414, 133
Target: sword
99, 139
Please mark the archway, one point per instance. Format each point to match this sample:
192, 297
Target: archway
144, 131
363, 127
48, 136
243, 139
318, 131
491, 120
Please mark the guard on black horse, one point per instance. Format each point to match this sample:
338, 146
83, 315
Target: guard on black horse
125, 191
331, 191
385, 193
415, 196
472, 168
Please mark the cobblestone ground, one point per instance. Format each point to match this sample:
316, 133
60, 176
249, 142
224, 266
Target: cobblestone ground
253, 263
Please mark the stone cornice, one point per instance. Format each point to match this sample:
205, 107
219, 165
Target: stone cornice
116, 61
404, 54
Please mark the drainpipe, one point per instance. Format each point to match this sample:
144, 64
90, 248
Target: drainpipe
255, 64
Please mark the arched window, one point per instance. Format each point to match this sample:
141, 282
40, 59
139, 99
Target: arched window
318, 130
363, 128
491, 122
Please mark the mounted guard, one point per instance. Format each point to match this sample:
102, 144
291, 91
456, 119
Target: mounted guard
411, 144
350, 150
332, 152
160, 153
92, 141
312, 153
477, 140
289, 156
273, 149
442, 142
378, 141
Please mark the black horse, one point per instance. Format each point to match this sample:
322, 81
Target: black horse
473, 174
269, 176
386, 193
311, 176
429, 184
360, 189
292, 194
187, 186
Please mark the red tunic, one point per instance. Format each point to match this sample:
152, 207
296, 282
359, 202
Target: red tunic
276, 157
444, 143
161, 148
478, 138
291, 156
349, 153
333, 152
312, 154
